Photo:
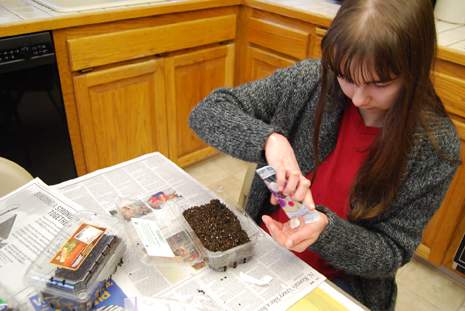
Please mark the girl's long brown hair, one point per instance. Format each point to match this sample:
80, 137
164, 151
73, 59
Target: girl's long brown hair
396, 38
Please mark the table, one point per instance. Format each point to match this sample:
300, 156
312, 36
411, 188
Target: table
169, 280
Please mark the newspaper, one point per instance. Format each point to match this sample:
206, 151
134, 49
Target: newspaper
29, 219
183, 282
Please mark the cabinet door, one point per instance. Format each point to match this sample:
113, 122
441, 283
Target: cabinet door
442, 227
261, 63
121, 112
449, 82
190, 77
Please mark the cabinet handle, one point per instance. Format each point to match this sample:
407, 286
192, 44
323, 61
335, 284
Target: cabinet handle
320, 31
86, 70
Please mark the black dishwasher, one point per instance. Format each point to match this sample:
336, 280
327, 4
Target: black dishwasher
33, 129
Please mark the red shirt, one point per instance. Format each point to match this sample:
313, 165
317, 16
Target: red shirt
336, 176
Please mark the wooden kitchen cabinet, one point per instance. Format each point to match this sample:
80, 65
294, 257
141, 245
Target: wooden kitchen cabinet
189, 78
128, 86
279, 34
444, 229
271, 42
194, 53
121, 112
129, 110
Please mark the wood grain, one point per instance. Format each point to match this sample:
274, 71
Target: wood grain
452, 92
208, 68
287, 40
261, 63
117, 46
441, 229
121, 113
317, 36
449, 82
67, 91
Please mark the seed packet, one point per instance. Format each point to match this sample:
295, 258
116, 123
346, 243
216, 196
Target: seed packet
78, 247
292, 208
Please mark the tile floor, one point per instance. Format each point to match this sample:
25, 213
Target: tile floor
421, 286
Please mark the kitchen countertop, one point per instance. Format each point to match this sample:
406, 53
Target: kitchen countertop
451, 35
26, 16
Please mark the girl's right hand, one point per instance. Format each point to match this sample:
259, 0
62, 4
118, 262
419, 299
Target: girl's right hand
280, 155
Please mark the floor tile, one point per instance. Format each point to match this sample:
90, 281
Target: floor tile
227, 189
208, 171
233, 166
432, 285
408, 300
222, 174
229, 163
402, 270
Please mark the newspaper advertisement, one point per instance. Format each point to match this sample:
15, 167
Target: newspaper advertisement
29, 219
167, 190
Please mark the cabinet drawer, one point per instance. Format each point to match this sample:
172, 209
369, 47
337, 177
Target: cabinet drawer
284, 39
107, 48
452, 92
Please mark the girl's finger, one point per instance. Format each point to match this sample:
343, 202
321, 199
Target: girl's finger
302, 189
308, 200
302, 246
305, 232
275, 229
273, 200
280, 178
292, 181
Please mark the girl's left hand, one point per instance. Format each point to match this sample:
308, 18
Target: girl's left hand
298, 239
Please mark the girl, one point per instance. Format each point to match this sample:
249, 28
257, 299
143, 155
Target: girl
365, 126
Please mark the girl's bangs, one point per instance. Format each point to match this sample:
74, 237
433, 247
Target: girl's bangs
358, 59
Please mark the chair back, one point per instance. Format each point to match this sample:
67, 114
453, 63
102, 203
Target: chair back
12, 176
247, 183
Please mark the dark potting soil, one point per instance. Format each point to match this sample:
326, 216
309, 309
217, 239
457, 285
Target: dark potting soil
216, 226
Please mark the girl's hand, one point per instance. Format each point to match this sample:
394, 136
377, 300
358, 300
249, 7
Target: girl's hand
280, 155
298, 239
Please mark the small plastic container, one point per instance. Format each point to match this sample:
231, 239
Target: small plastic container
76, 290
221, 260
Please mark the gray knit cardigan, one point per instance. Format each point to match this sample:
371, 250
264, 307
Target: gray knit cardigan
238, 121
